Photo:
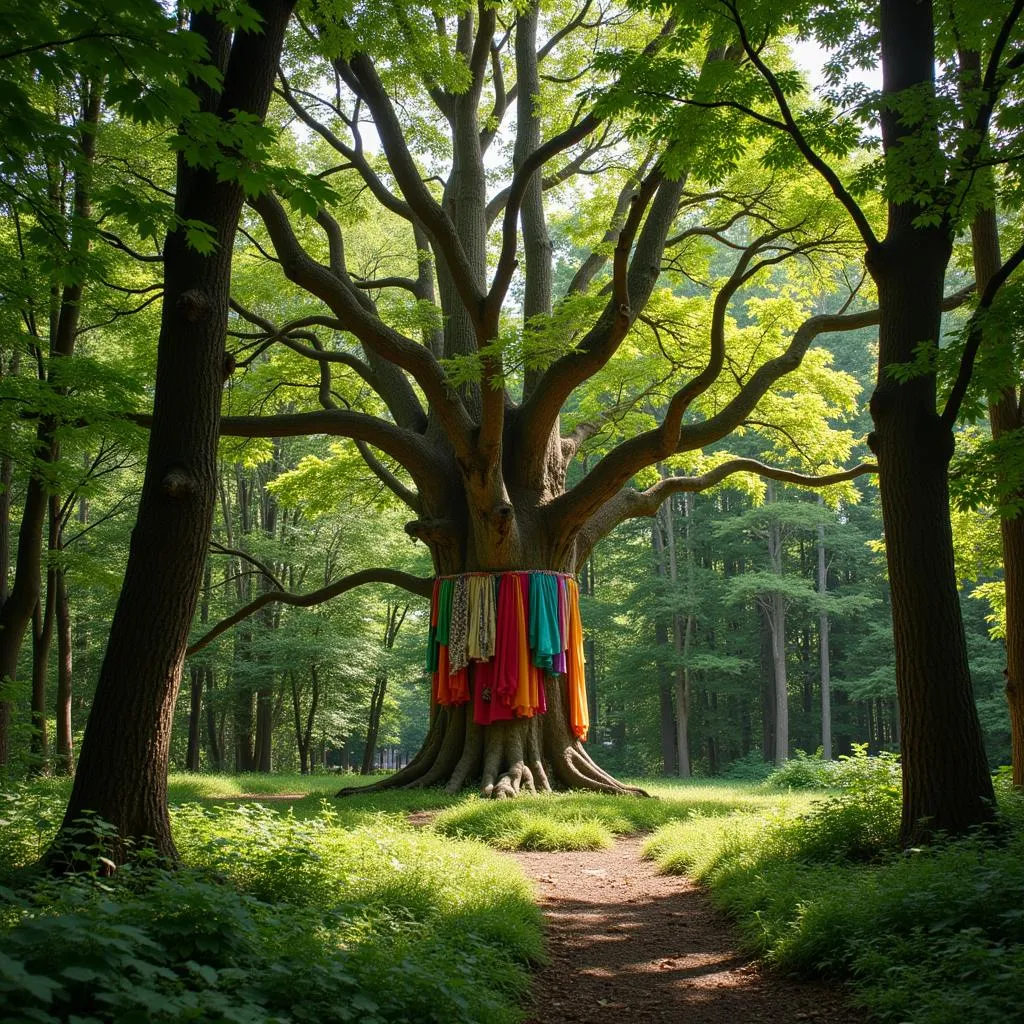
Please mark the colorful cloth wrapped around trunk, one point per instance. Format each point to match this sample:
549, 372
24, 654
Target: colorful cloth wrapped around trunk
494, 636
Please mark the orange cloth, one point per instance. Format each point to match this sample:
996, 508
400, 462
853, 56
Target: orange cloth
458, 686
579, 716
442, 694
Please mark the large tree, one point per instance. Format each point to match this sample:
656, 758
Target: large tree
470, 364
122, 771
939, 138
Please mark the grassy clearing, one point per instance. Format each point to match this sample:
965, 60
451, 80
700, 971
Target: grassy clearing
931, 937
324, 910
591, 821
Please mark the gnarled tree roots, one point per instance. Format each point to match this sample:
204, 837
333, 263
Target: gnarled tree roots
527, 755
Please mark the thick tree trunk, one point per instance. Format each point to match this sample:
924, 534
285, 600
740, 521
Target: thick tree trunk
524, 755
122, 774
263, 746
946, 782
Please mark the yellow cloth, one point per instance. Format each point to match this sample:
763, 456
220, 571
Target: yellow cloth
579, 716
481, 618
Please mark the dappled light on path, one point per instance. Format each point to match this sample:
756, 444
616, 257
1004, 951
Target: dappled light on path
627, 944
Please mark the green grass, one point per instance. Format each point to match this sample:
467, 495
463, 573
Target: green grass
314, 910
591, 821
931, 937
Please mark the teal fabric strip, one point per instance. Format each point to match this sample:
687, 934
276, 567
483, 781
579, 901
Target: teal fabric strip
545, 641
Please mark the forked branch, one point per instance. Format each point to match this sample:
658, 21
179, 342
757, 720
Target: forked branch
414, 584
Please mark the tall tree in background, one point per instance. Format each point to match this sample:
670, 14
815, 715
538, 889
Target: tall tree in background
122, 771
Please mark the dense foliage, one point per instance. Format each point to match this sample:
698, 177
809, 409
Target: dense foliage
283, 917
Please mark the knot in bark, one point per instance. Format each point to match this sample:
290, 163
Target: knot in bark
177, 483
193, 305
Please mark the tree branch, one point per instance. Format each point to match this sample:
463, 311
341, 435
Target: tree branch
414, 584
823, 168
975, 336
347, 304
412, 451
386, 477
219, 549
355, 156
434, 219
575, 506
631, 504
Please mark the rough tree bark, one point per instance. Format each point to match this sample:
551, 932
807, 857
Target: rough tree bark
122, 771
946, 781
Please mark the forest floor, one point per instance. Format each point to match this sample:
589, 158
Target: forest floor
628, 944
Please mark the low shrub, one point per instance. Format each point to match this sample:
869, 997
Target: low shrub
935, 936
276, 918
812, 771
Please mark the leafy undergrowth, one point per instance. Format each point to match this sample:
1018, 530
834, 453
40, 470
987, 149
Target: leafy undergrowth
935, 936
591, 821
277, 917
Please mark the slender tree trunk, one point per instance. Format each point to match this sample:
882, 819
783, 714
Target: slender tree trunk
301, 739
1006, 414
373, 724
768, 706
679, 646
198, 675
214, 730
6, 479
823, 647
122, 773
775, 606
776, 613
65, 760
42, 638
667, 715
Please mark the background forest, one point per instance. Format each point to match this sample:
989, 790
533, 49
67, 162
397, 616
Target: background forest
696, 619
713, 305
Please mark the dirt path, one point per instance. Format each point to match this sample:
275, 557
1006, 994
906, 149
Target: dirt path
629, 945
